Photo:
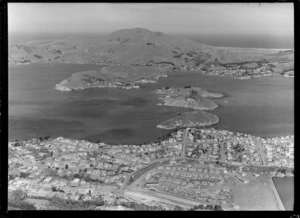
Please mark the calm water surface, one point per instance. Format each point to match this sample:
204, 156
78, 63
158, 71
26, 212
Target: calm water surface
285, 188
261, 106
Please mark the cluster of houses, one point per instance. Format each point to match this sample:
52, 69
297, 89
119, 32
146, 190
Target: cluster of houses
71, 166
279, 151
237, 148
222, 198
241, 149
74, 169
192, 182
236, 71
117, 84
222, 145
49, 187
147, 153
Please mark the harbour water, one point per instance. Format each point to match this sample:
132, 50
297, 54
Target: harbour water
285, 188
260, 106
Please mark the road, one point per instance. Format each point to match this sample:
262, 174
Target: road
260, 148
126, 181
167, 196
25, 163
184, 142
183, 155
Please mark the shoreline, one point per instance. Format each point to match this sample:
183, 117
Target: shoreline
184, 127
188, 124
194, 108
153, 140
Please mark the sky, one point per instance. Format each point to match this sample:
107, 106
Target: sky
268, 19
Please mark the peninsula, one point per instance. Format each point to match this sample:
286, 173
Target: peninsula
126, 77
190, 119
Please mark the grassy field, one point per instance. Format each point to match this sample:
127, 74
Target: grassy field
255, 195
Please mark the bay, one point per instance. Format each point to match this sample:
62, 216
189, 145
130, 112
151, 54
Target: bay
260, 106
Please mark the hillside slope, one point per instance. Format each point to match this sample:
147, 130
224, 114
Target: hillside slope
136, 46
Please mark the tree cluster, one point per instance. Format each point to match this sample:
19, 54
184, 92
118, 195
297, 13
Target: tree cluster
206, 207
137, 206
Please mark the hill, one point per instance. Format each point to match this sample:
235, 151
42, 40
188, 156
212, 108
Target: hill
138, 47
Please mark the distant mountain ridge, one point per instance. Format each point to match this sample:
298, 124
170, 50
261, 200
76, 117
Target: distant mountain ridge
136, 46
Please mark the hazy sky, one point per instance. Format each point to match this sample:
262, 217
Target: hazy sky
192, 18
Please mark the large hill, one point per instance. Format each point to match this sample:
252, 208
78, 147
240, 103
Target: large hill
136, 46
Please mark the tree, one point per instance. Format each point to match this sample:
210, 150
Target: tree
177, 208
17, 144
193, 94
283, 171
209, 207
24, 175
18, 195
217, 208
201, 206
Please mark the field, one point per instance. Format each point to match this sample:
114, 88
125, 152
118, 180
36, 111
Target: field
256, 195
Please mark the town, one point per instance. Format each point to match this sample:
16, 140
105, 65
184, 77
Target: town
241, 70
186, 168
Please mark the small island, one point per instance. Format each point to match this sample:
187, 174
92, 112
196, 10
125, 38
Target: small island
190, 119
126, 77
189, 97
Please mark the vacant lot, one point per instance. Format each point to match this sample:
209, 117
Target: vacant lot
255, 195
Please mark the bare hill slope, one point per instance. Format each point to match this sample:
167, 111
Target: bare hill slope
136, 46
